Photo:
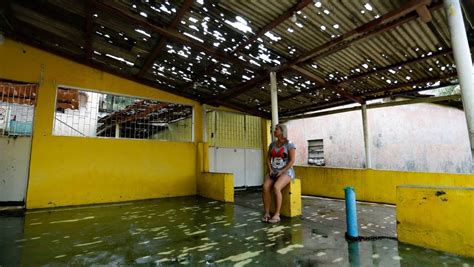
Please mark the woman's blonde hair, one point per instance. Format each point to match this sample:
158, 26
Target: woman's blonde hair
284, 130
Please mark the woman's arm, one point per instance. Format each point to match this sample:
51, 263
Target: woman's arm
269, 162
292, 155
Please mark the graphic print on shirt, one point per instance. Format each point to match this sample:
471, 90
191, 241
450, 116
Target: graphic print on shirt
279, 157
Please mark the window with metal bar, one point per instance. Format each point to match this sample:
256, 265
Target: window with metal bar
17, 101
93, 114
316, 152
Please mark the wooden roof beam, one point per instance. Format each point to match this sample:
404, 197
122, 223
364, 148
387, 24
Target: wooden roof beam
312, 107
89, 27
323, 83
424, 13
162, 42
366, 74
287, 14
396, 65
284, 16
364, 31
170, 34
366, 28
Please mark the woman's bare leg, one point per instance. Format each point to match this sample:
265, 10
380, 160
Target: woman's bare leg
282, 181
266, 194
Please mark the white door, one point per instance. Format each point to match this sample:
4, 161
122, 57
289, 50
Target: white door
17, 105
14, 163
254, 165
227, 137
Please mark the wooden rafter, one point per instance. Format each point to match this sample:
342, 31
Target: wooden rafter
89, 27
311, 107
362, 32
162, 42
284, 16
365, 28
174, 35
370, 73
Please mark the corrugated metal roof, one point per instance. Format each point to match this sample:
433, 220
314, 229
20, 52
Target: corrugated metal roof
327, 53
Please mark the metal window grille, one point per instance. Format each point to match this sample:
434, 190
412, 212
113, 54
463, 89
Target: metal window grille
92, 114
316, 152
17, 105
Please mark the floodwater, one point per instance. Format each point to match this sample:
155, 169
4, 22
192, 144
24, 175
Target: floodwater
194, 231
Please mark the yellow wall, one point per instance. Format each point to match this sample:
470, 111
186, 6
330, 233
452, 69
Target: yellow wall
437, 217
218, 186
74, 170
371, 185
236, 130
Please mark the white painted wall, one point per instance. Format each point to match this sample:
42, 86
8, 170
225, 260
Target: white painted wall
419, 137
14, 163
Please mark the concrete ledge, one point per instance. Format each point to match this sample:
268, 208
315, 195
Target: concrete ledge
371, 185
291, 201
438, 217
218, 186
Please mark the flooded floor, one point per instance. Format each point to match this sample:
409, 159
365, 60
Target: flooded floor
197, 231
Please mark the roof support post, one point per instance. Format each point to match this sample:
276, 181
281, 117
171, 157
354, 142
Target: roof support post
365, 127
117, 130
463, 64
274, 95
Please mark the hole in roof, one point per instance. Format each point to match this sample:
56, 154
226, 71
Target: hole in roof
368, 7
143, 14
241, 24
299, 24
120, 59
290, 30
143, 32
193, 20
362, 11
193, 37
318, 4
201, 2
288, 81
323, 28
326, 12
335, 26
272, 36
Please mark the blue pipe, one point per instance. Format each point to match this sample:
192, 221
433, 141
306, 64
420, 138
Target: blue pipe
351, 212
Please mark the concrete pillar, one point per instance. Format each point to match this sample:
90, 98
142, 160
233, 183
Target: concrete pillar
274, 94
365, 127
117, 130
463, 62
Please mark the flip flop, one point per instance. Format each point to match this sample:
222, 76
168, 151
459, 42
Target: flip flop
266, 218
274, 220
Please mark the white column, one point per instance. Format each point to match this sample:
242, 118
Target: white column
274, 94
117, 130
463, 62
365, 127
